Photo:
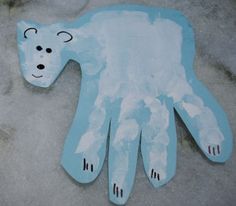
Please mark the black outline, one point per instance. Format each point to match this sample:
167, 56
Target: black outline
28, 30
152, 173
39, 49
155, 175
209, 149
117, 191
37, 76
114, 189
84, 167
40, 66
214, 151
87, 166
71, 37
48, 50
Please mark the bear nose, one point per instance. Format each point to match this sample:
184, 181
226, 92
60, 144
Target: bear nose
40, 66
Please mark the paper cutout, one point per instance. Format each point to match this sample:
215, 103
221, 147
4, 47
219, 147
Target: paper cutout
136, 68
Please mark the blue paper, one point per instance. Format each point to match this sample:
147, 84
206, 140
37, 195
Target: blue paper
136, 66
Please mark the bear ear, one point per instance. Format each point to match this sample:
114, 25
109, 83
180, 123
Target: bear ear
30, 29
65, 36
26, 29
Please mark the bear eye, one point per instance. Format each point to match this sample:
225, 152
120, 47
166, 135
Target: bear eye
39, 48
48, 50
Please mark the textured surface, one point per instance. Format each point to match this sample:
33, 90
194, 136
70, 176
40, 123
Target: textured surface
34, 122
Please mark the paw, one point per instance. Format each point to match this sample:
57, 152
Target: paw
117, 191
214, 150
159, 177
87, 166
155, 175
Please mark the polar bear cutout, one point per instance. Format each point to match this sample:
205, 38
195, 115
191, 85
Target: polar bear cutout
136, 64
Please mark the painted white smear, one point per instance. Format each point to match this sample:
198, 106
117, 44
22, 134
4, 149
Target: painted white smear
144, 59
139, 60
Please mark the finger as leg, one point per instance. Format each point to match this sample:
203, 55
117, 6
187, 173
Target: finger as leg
158, 141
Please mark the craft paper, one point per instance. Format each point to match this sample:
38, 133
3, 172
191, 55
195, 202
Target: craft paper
136, 64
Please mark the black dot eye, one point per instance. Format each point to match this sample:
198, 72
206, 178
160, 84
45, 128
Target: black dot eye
48, 50
39, 48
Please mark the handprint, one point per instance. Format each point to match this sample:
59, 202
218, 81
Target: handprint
136, 66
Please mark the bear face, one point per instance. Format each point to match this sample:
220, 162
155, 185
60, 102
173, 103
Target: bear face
40, 52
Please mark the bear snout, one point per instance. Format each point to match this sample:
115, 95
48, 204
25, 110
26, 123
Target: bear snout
40, 66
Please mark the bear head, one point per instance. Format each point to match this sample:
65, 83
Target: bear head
42, 51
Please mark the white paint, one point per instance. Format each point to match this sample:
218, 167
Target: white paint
91, 142
89, 145
205, 121
191, 109
156, 137
127, 131
141, 60
33, 57
87, 141
159, 162
121, 170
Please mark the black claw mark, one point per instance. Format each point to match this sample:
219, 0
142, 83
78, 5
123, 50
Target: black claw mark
209, 149
155, 175
117, 191
86, 166
214, 150
152, 173
114, 189
218, 149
